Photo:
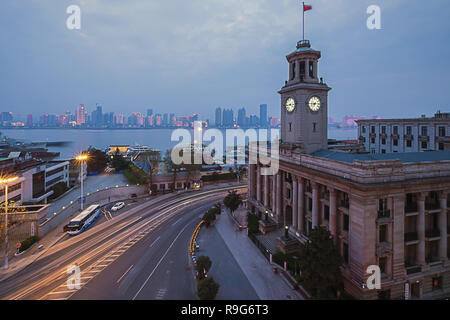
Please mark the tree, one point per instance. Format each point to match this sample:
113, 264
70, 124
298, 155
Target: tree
207, 289
203, 265
152, 159
97, 160
319, 264
171, 167
209, 217
232, 201
118, 162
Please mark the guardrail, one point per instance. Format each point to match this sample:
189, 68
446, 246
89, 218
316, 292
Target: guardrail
194, 237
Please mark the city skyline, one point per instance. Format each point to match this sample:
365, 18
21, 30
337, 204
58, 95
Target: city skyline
205, 54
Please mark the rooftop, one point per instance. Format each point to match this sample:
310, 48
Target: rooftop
404, 157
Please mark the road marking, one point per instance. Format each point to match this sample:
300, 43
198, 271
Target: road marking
155, 241
124, 274
176, 222
59, 292
159, 262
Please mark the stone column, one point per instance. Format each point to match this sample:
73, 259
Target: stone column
333, 213
258, 183
294, 202
300, 204
421, 229
278, 191
266, 191
443, 227
315, 208
250, 182
274, 193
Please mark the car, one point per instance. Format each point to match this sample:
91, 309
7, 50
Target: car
118, 206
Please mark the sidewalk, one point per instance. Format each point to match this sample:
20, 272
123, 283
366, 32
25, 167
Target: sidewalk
268, 286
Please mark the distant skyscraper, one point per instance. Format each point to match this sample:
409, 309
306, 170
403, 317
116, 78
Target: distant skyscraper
227, 118
81, 115
241, 119
172, 119
29, 120
165, 121
218, 120
149, 112
263, 115
99, 116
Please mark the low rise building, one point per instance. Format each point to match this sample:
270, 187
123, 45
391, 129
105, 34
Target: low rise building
405, 135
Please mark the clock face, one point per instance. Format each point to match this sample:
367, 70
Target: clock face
290, 104
314, 103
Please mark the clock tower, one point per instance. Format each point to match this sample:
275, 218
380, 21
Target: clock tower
304, 102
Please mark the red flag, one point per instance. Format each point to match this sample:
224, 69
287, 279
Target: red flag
306, 7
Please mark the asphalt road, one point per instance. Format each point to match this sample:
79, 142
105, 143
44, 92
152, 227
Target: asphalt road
140, 254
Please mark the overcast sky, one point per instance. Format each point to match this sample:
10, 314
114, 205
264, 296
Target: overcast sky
192, 56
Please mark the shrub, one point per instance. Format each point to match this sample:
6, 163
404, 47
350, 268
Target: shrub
203, 265
25, 244
216, 177
207, 289
252, 223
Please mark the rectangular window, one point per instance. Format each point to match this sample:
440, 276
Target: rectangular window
363, 129
441, 146
383, 233
311, 69
372, 128
326, 212
395, 142
441, 131
383, 129
345, 253
372, 140
383, 151
290, 126
436, 283
309, 204
424, 131
302, 68
424, 144
346, 222
383, 141
314, 126
409, 143
395, 130
408, 130
293, 70
382, 263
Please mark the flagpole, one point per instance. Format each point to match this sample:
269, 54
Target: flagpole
303, 9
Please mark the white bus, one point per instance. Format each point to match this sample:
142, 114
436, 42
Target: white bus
81, 222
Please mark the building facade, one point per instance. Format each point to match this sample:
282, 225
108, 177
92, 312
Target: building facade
405, 135
389, 210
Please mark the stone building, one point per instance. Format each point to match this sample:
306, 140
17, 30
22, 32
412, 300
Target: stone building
387, 209
405, 135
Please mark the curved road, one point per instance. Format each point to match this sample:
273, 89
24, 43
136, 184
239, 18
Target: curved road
140, 254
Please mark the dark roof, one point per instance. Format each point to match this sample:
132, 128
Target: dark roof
405, 157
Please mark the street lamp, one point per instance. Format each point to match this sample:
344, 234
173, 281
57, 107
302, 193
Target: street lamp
286, 230
5, 181
81, 158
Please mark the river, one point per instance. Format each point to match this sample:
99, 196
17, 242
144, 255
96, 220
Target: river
81, 139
